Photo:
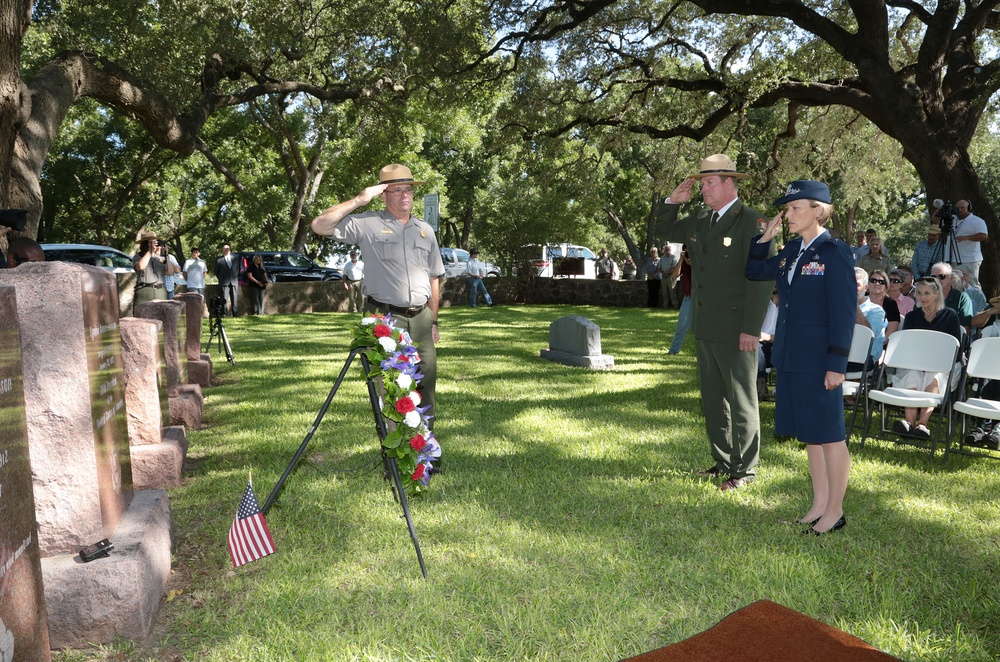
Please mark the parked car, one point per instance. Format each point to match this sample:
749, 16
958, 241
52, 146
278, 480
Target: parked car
98, 256
287, 267
549, 260
456, 263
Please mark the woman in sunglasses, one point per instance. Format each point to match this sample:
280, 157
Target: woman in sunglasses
817, 295
904, 303
931, 314
877, 293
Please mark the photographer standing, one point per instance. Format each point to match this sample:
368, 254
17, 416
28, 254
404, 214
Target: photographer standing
151, 266
969, 232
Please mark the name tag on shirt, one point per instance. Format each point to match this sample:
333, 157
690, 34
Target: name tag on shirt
813, 269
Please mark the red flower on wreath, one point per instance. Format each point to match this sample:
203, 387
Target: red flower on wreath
418, 442
404, 406
381, 331
419, 473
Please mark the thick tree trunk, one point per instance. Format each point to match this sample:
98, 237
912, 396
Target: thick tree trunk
948, 174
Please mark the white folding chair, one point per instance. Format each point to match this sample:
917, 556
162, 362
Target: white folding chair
856, 384
917, 349
984, 363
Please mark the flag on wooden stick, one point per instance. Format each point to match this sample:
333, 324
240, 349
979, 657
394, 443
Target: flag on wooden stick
249, 538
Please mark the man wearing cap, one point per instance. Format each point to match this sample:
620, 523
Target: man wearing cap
926, 252
476, 271
354, 276
727, 312
404, 267
151, 267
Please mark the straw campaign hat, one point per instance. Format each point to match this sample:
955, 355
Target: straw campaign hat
396, 174
719, 165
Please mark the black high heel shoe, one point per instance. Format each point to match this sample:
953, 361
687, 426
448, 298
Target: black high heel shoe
809, 526
841, 523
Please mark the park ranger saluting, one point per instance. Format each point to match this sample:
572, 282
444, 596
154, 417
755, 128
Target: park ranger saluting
403, 262
727, 312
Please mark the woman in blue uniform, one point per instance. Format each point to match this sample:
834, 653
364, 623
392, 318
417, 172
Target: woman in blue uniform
817, 306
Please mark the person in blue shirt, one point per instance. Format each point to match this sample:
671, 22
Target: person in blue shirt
817, 306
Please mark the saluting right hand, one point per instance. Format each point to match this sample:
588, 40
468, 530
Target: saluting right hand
772, 229
371, 193
683, 192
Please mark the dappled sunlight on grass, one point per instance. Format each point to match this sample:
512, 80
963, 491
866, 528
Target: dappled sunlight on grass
569, 523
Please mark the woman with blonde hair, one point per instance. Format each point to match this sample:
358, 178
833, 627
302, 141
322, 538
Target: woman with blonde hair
875, 258
817, 302
931, 314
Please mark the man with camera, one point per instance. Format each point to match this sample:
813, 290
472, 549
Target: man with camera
969, 232
152, 265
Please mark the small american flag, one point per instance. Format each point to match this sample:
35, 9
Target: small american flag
249, 538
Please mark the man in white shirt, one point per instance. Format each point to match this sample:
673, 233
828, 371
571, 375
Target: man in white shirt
477, 272
969, 232
354, 276
169, 281
194, 272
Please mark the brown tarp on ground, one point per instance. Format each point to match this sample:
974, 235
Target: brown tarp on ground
768, 632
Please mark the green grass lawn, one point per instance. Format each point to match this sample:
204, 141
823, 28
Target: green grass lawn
568, 524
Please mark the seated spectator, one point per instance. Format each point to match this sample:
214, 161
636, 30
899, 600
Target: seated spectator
871, 315
875, 258
23, 249
897, 277
907, 289
925, 252
878, 285
934, 315
767, 330
972, 288
953, 298
987, 433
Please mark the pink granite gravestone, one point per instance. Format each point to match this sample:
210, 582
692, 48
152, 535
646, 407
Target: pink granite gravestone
199, 365
75, 401
157, 452
185, 400
78, 445
24, 633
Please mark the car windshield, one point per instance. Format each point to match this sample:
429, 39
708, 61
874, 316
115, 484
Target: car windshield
296, 260
555, 251
580, 251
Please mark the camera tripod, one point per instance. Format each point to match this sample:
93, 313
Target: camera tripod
389, 466
217, 330
946, 241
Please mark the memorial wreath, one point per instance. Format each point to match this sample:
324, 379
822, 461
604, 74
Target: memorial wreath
394, 358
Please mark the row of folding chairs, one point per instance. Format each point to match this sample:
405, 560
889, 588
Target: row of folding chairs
871, 396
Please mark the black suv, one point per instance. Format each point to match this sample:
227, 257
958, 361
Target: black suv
287, 267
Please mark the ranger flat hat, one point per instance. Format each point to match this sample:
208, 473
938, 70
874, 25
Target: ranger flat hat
396, 174
146, 235
719, 165
805, 189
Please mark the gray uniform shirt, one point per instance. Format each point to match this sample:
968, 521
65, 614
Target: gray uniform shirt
402, 259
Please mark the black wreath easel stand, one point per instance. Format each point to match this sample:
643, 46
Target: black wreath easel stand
217, 330
391, 468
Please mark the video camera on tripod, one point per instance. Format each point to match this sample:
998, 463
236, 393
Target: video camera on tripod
947, 247
217, 306
216, 311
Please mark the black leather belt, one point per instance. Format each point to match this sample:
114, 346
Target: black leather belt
412, 311
155, 286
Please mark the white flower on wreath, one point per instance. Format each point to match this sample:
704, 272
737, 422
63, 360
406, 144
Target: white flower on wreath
388, 344
415, 397
412, 419
404, 381
369, 321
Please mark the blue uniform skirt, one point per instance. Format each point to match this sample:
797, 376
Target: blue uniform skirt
804, 409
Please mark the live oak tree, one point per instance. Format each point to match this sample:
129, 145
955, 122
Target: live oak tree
924, 73
171, 66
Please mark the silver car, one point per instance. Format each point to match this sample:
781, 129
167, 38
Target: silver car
456, 264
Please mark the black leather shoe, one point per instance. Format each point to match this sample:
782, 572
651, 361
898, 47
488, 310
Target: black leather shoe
841, 523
